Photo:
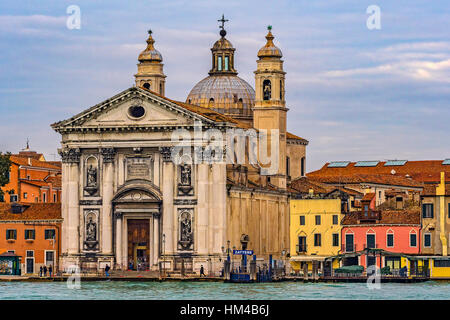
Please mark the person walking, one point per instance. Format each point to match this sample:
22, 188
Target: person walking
202, 271
50, 269
40, 271
107, 270
45, 271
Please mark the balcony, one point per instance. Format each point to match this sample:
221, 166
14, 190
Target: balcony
301, 248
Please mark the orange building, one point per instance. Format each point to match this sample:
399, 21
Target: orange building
31, 231
32, 179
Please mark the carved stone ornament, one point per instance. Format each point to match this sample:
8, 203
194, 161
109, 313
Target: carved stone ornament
185, 183
70, 155
166, 153
186, 235
91, 232
108, 154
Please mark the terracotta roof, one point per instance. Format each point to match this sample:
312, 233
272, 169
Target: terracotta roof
303, 185
55, 181
33, 211
294, 137
423, 171
37, 183
368, 196
430, 189
364, 178
406, 217
23, 161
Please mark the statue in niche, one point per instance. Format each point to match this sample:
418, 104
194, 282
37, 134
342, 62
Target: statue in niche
91, 176
267, 90
185, 175
91, 230
185, 185
185, 231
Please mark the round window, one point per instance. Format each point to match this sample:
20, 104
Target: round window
136, 111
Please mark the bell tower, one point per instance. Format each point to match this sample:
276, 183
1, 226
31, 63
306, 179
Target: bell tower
150, 73
269, 112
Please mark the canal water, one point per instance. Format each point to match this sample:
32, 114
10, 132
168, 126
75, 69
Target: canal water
119, 290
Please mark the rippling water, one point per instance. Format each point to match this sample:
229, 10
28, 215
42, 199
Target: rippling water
216, 290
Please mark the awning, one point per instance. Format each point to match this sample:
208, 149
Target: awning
308, 258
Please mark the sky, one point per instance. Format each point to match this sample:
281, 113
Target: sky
355, 93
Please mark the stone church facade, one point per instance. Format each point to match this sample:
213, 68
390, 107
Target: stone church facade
127, 203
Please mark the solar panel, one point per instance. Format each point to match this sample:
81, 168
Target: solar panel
446, 161
395, 162
367, 163
338, 164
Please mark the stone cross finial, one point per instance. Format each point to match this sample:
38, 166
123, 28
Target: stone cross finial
223, 20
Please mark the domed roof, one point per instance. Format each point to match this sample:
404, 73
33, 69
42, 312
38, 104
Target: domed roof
150, 53
222, 43
227, 94
269, 49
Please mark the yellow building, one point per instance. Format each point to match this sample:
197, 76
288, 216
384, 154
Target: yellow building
315, 232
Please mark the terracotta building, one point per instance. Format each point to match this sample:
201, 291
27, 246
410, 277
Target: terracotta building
394, 231
32, 179
32, 232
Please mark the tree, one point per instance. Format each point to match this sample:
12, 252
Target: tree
5, 164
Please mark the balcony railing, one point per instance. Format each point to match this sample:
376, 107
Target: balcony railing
301, 248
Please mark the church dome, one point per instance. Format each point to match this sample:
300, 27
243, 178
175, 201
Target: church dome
270, 49
223, 91
227, 94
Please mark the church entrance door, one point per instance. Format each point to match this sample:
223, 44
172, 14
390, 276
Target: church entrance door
138, 244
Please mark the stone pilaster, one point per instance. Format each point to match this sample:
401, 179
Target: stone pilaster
201, 232
108, 155
70, 193
167, 193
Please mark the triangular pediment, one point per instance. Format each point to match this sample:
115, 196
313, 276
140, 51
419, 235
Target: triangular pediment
116, 112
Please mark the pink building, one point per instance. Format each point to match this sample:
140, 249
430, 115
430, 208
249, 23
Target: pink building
394, 231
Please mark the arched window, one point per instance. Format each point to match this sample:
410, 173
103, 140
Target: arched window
161, 89
267, 89
281, 90
211, 102
302, 167
390, 238
219, 63
227, 67
146, 86
288, 167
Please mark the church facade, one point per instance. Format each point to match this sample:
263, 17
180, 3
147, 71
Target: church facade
136, 195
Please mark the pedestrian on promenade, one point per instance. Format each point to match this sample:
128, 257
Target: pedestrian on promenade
50, 269
45, 271
202, 271
40, 271
107, 270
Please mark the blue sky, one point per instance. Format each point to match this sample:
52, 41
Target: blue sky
354, 93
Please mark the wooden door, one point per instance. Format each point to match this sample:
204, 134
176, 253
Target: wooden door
138, 243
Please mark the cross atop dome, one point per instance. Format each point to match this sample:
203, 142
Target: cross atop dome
223, 33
